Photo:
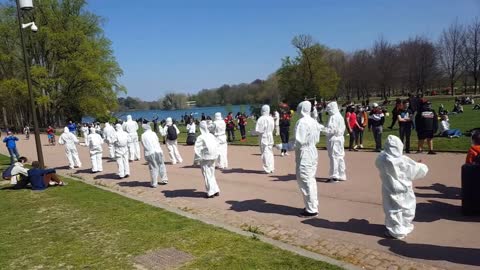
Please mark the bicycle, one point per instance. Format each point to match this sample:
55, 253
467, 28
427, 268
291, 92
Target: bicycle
51, 139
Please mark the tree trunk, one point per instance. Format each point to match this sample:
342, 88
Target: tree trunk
5, 122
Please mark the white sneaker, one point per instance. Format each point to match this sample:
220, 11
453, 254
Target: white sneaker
287, 154
283, 154
361, 146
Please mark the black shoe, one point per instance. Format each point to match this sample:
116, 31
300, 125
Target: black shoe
304, 213
216, 194
126, 176
407, 151
332, 180
209, 197
431, 153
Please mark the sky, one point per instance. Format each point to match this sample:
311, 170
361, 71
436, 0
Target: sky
184, 46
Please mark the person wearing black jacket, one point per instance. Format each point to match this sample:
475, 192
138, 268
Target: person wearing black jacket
405, 121
284, 132
375, 123
426, 123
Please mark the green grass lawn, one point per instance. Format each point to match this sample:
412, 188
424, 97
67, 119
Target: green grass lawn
80, 226
468, 120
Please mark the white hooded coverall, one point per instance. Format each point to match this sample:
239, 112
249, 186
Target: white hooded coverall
131, 128
69, 140
218, 129
154, 156
264, 128
121, 140
276, 118
335, 142
171, 144
307, 135
84, 130
206, 153
95, 142
108, 134
397, 173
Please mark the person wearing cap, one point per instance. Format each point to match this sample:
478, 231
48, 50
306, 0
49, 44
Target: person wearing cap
405, 122
426, 123
375, 123
10, 142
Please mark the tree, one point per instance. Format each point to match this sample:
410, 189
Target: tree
384, 55
449, 52
472, 51
74, 72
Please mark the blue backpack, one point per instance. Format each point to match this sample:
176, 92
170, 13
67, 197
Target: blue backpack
7, 173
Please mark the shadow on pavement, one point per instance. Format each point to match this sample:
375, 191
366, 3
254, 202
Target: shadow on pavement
453, 193
435, 210
134, 184
360, 226
240, 170
62, 168
261, 206
468, 256
191, 193
288, 177
107, 176
83, 171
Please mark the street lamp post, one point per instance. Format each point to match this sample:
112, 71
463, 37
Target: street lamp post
26, 4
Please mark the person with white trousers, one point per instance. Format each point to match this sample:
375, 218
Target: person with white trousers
264, 128
276, 118
335, 143
397, 172
154, 156
307, 135
206, 153
170, 131
218, 129
131, 127
108, 133
121, 140
95, 142
70, 140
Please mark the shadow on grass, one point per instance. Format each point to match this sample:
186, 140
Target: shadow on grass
453, 193
262, 206
460, 255
435, 210
360, 226
190, 193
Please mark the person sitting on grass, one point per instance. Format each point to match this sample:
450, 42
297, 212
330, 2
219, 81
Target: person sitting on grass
40, 179
476, 107
473, 155
19, 174
446, 131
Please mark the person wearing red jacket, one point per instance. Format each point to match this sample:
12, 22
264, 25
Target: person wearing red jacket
242, 124
473, 155
230, 127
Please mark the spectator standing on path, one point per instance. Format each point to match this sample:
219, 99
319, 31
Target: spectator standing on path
264, 128
70, 140
170, 131
395, 111
230, 126
10, 142
397, 173
375, 123
276, 118
307, 135
155, 124
473, 155
335, 130
206, 153
285, 132
426, 123
131, 127
191, 130
26, 131
95, 142
405, 122
218, 127
120, 141
242, 124
84, 130
154, 156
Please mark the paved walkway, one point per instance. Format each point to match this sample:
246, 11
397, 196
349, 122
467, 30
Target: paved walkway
350, 224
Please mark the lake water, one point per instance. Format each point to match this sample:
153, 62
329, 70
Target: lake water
177, 114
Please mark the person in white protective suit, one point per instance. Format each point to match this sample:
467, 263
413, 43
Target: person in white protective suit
218, 128
154, 156
120, 141
108, 133
397, 173
264, 128
307, 135
170, 131
70, 140
131, 128
84, 130
95, 142
335, 142
206, 153
276, 118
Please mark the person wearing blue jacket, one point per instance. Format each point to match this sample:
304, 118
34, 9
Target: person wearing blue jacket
40, 179
12, 147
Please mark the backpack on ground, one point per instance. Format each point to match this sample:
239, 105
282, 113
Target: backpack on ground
7, 173
171, 133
